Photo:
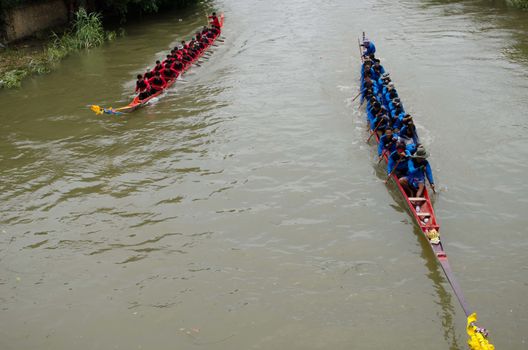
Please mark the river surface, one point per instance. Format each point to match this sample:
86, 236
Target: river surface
243, 210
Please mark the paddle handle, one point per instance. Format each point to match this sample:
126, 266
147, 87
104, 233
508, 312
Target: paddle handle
381, 157
359, 93
432, 187
393, 170
374, 131
360, 51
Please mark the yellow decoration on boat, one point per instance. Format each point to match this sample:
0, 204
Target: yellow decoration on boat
477, 339
97, 109
433, 235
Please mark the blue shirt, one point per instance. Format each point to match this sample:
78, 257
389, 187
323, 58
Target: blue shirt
394, 158
386, 143
385, 92
418, 171
403, 134
376, 75
397, 120
392, 107
369, 49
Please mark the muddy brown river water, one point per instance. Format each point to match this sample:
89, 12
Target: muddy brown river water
243, 210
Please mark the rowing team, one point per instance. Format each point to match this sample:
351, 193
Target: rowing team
398, 139
155, 80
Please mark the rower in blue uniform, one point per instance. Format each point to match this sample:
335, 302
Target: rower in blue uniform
398, 160
384, 80
389, 89
373, 109
377, 69
381, 120
368, 84
409, 136
366, 70
387, 143
395, 107
418, 170
370, 49
399, 118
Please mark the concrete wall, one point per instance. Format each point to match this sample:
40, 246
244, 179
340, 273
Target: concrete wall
26, 20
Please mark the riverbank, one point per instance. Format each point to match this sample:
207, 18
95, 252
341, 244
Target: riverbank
38, 57
18, 61
39, 54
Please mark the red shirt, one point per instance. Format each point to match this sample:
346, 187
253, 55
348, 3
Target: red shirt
156, 85
144, 87
176, 69
215, 21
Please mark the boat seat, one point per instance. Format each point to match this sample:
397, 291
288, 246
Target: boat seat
423, 214
416, 199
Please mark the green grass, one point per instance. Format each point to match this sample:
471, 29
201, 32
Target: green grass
523, 4
12, 78
86, 32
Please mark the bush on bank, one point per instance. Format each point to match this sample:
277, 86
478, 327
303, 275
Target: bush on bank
523, 4
86, 32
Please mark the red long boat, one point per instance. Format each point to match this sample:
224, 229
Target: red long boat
137, 103
423, 214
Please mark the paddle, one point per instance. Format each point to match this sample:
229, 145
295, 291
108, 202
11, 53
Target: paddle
381, 157
432, 187
385, 150
360, 51
374, 131
359, 93
422, 167
393, 170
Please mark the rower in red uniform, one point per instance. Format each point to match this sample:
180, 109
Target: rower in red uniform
177, 53
215, 30
177, 66
191, 53
210, 35
200, 46
168, 73
142, 87
186, 59
158, 67
214, 20
168, 59
157, 83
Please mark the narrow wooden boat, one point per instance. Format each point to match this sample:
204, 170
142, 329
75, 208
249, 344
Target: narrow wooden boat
137, 103
423, 214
